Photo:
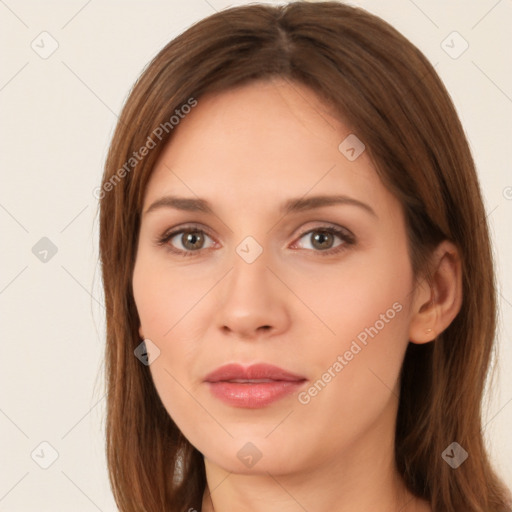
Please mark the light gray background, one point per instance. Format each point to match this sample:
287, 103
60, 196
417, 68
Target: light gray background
58, 114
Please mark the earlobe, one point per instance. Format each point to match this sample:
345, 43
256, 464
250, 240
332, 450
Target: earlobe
437, 302
142, 337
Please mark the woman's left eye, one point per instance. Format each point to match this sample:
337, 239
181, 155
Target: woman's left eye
324, 240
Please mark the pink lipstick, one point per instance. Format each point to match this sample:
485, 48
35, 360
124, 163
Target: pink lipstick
253, 386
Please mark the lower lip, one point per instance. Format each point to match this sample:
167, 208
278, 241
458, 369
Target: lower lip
253, 396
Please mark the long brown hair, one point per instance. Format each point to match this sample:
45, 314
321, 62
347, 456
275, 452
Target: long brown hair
383, 87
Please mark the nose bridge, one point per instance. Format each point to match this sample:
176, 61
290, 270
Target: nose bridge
251, 298
248, 282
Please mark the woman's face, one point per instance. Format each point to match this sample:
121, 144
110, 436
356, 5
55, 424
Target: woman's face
297, 258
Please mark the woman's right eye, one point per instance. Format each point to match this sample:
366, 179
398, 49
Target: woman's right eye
186, 242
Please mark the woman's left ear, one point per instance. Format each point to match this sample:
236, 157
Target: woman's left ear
436, 303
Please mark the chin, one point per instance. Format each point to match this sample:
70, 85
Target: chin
253, 455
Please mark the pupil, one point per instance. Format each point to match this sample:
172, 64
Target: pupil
191, 239
321, 238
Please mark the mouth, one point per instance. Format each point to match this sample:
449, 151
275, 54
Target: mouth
253, 386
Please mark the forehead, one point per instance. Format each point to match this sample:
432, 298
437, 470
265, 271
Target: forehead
261, 142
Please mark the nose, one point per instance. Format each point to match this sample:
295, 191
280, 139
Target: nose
252, 301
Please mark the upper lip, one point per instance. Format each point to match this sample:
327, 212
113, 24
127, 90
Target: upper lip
261, 372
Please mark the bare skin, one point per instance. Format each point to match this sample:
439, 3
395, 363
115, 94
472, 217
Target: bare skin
299, 305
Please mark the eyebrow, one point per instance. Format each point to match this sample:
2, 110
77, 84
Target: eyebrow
290, 206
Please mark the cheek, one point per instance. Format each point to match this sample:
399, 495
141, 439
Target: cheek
168, 303
366, 295
165, 296
356, 370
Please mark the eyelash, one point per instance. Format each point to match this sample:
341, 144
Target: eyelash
347, 238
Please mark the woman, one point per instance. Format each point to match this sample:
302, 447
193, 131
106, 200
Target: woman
298, 277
